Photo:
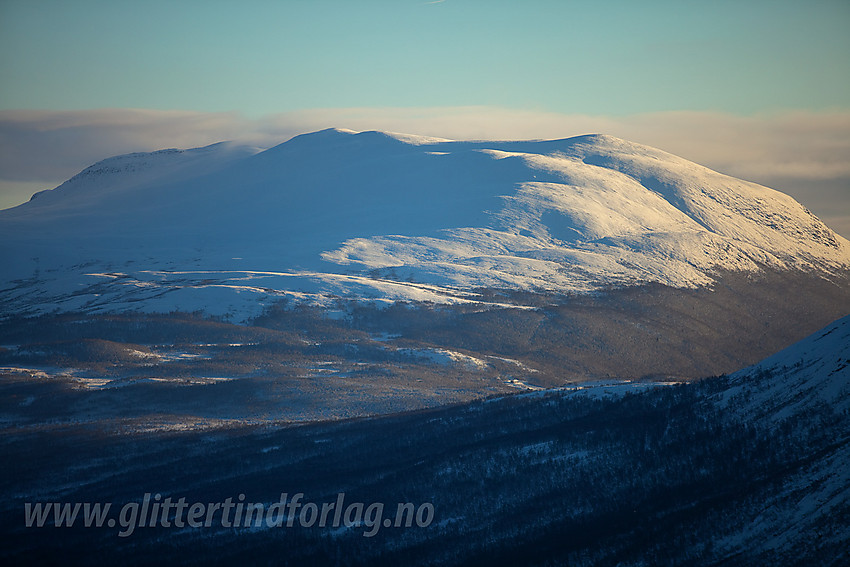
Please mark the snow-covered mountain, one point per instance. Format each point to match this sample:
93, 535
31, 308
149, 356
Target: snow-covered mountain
387, 216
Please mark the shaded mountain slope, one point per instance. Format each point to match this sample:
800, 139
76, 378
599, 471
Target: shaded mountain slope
721, 471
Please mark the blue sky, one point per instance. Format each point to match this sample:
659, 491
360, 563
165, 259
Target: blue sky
602, 57
199, 71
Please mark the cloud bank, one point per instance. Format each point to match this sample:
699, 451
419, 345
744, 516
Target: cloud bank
805, 154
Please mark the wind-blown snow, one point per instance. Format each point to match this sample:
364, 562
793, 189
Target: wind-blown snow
391, 216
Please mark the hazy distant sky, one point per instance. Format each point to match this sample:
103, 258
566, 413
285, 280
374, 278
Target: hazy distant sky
476, 68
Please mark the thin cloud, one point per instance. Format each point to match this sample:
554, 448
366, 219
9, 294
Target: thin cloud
49, 145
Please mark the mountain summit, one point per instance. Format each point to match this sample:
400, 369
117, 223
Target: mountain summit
392, 216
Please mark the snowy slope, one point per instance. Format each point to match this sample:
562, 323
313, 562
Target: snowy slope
808, 374
393, 216
802, 394
597, 209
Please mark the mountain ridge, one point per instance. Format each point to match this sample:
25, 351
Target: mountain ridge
720, 471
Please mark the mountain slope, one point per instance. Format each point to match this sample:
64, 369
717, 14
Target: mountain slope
395, 217
604, 211
722, 471
812, 372
807, 383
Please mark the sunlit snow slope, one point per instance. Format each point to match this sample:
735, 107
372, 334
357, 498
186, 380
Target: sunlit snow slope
386, 216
